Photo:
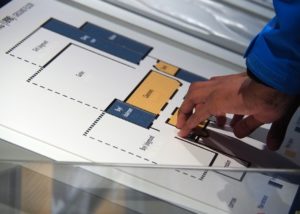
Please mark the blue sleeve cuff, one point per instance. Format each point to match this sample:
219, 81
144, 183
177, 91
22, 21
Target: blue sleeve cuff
274, 54
275, 74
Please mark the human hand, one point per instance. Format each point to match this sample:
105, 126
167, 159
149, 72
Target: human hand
239, 95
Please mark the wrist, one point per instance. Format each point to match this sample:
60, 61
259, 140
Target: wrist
252, 76
258, 95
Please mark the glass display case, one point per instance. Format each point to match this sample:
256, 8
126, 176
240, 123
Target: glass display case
49, 187
89, 95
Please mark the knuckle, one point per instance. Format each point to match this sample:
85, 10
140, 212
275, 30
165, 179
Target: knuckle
214, 78
194, 98
181, 110
198, 108
193, 122
193, 86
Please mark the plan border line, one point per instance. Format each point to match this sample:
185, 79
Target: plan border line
215, 157
212, 160
66, 96
22, 41
25, 60
26, 37
99, 54
94, 124
121, 149
57, 55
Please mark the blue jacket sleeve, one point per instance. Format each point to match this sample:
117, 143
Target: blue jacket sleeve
273, 56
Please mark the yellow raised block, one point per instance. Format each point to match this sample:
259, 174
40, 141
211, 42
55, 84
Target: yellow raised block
290, 153
173, 120
166, 68
154, 92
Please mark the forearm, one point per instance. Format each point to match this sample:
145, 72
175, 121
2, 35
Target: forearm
259, 97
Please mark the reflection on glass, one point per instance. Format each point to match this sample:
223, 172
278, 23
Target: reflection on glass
209, 20
90, 188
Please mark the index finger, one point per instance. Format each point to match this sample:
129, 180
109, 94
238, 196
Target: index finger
193, 97
184, 112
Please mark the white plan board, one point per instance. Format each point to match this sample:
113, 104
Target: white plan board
75, 87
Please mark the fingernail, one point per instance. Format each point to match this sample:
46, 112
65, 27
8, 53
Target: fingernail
181, 133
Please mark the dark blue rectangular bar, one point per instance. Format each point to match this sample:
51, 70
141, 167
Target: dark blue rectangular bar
189, 77
131, 113
118, 39
98, 43
297, 129
4, 2
272, 183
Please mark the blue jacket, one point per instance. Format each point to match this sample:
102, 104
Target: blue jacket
273, 56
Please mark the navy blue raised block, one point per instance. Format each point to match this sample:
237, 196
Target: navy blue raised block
131, 113
189, 76
125, 42
98, 43
4, 2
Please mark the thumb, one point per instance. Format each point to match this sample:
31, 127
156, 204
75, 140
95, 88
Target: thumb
276, 135
246, 126
278, 129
